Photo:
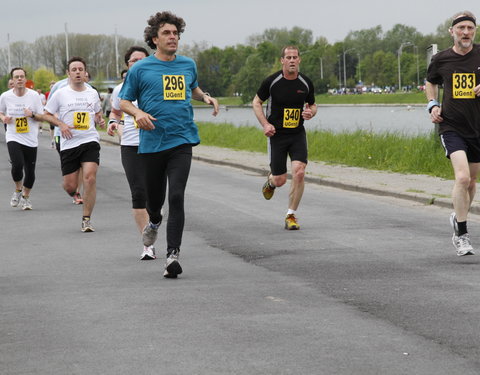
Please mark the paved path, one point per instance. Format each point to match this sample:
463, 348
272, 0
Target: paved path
254, 298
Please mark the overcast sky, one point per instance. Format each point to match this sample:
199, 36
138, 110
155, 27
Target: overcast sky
222, 22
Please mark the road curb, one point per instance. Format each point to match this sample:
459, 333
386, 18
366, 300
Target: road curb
424, 199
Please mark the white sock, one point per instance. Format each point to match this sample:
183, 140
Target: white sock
290, 211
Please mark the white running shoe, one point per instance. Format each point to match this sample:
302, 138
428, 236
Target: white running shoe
453, 223
148, 253
172, 267
25, 204
463, 244
16, 196
77, 199
87, 226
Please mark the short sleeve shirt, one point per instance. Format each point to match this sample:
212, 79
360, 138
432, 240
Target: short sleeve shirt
130, 134
163, 89
458, 74
22, 129
76, 109
286, 99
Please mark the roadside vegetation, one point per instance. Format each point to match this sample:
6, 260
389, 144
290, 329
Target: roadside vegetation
387, 151
413, 97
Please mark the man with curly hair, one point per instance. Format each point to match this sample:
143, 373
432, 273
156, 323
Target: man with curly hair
163, 84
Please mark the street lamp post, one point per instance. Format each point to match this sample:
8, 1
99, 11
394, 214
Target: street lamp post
321, 61
416, 56
359, 69
321, 67
339, 72
8, 54
116, 54
67, 56
399, 55
345, 66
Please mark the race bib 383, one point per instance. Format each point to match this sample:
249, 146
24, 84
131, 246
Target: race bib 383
463, 84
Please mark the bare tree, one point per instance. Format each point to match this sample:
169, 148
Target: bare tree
21, 53
46, 53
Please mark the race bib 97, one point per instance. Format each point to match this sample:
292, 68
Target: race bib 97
174, 87
463, 84
291, 117
21, 125
81, 120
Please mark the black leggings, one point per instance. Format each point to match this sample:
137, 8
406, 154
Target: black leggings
171, 165
22, 158
135, 172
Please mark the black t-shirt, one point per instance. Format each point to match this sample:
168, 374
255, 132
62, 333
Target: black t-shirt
286, 100
459, 75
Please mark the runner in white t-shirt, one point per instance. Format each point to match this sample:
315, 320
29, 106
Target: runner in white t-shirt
77, 197
133, 166
21, 110
78, 108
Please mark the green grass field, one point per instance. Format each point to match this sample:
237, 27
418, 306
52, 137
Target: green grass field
396, 98
369, 98
387, 151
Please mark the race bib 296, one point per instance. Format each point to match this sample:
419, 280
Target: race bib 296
174, 87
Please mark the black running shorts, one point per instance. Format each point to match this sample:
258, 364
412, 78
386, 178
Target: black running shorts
453, 141
282, 145
72, 159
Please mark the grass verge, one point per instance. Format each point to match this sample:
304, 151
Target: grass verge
369, 98
393, 152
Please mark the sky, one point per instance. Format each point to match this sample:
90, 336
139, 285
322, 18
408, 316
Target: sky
222, 23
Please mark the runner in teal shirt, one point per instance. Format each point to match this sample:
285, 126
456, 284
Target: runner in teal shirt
169, 102
163, 86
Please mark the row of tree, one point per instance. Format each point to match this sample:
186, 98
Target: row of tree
370, 56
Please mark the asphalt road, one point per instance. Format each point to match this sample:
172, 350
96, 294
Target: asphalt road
369, 285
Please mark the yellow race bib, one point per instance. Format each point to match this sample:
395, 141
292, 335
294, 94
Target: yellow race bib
463, 84
291, 117
21, 125
135, 124
174, 87
81, 120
